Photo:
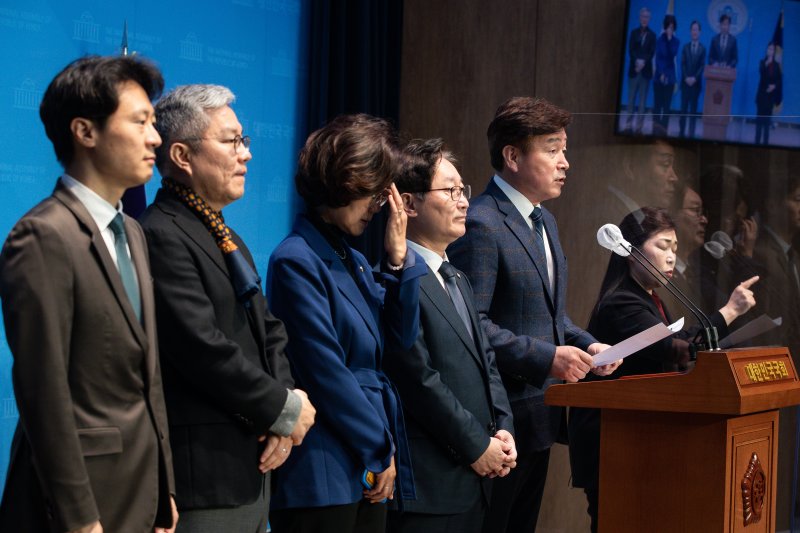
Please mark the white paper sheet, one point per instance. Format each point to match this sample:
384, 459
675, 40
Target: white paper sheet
755, 327
635, 343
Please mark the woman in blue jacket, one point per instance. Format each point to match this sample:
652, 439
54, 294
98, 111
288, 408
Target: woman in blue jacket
337, 313
667, 47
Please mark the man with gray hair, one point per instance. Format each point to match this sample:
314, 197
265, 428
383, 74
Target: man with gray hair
233, 412
641, 49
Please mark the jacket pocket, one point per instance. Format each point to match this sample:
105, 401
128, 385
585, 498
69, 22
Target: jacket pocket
100, 441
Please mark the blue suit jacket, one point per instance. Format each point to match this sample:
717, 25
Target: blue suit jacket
336, 330
523, 320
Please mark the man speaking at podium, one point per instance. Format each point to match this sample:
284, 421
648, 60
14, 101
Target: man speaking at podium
512, 255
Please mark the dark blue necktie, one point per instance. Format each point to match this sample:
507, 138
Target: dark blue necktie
124, 264
449, 273
538, 225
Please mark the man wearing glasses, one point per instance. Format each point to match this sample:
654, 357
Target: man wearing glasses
233, 412
456, 409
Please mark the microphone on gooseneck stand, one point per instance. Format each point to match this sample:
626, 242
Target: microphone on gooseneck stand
610, 237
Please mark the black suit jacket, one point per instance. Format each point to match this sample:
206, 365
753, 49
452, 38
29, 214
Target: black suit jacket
225, 372
729, 57
641, 49
692, 66
453, 400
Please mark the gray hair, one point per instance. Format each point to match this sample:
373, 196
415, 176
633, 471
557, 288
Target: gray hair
182, 116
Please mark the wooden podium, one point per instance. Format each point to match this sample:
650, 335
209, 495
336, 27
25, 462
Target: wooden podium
717, 101
694, 452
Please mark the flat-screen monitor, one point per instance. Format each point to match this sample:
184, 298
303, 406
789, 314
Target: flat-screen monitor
713, 70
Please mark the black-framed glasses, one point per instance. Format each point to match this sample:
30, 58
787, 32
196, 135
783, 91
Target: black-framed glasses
698, 212
237, 142
455, 192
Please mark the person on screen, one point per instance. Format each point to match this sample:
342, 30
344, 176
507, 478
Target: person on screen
641, 49
667, 48
769, 93
91, 450
628, 304
340, 315
234, 413
454, 402
512, 255
724, 51
693, 59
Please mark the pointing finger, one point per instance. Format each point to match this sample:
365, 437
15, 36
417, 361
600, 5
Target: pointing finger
746, 284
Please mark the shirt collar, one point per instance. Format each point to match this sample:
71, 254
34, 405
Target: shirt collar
100, 210
432, 259
523, 205
785, 246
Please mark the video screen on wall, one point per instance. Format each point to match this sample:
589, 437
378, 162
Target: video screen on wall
718, 70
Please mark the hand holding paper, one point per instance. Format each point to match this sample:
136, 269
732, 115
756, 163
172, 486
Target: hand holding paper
635, 343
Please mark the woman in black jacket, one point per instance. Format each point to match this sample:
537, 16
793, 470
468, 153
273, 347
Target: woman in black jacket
629, 304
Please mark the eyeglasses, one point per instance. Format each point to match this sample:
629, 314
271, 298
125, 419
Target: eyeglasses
237, 142
379, 199
455, 192
698, 212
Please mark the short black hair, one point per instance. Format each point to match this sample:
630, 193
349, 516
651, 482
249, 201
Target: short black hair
670, 19
724, 17
422, 159
88, 88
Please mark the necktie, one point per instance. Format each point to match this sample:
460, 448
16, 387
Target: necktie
124, 264
722, 43
792, 256
694, 49
448, 272
538, 224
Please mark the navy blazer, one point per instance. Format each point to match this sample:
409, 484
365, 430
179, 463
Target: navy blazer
336, 330
453, 400
523, 320
731, 54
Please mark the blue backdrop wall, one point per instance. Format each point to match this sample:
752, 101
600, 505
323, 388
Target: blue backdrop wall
258, 48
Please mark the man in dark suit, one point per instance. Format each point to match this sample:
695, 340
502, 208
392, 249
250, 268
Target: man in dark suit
456, 408
641, 49
91, 451
232, 411
512, 255
693, 59
724, 52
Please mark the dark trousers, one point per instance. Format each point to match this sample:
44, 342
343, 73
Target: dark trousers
592, 508
470, 521
662, 98
763, 124
516, 498
689, 98
359, 517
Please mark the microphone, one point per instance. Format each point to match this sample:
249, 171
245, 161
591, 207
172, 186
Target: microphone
719, 245
610, 237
